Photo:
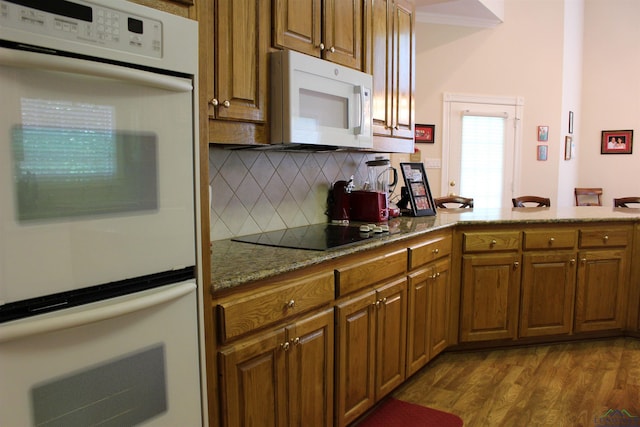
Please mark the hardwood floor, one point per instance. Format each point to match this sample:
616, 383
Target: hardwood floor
568, 384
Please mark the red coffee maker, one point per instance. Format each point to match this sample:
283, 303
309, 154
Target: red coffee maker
339, 201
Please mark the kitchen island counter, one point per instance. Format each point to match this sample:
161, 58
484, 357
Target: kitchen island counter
234, 263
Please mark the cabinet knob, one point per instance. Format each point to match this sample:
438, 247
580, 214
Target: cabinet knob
605, 238
583, 260
226, 104
295, 341
551, 240
516, 264
291, 303
320, 46
285, 346
493, 242
332, 49
214, 102
572, 261
436, 251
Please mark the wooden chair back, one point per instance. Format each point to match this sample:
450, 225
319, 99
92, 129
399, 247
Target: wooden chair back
623, 202
523, 202
456, 201
588, 196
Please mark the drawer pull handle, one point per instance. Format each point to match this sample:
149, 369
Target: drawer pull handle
285, 346
551, 240
291, 304
436, 251
493, 242
605, 238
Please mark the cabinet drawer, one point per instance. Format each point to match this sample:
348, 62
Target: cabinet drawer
491, 241
239, 316
601, 237
549, 239
428, 251
370, 271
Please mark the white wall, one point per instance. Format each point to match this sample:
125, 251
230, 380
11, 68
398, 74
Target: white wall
537, 54
610, 95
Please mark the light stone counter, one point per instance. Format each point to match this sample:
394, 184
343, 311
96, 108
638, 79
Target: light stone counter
235, 263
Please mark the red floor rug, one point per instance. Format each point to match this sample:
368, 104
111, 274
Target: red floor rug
396, 413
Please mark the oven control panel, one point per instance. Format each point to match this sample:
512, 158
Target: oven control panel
84, 22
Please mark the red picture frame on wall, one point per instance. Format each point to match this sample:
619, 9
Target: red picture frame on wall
425, 133
616, 142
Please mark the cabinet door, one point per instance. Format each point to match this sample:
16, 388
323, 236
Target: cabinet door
418, 339
311, 370
548, 289
241, 45
490, 288
356, 328
378, 63
403, 78
253, 382
343, 32
298, 25
391, 325
600, 290
439, 307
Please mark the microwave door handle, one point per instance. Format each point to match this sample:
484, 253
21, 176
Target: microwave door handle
362, 129
18, 58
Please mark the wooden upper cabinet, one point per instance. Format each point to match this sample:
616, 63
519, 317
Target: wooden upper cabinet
237, 50
390, 57
329, 29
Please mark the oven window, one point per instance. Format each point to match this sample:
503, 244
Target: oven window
66, 172
126, 391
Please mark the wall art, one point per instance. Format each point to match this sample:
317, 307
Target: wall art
616, 142
425, 133
543, 133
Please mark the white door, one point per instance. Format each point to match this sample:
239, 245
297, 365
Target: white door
481, 141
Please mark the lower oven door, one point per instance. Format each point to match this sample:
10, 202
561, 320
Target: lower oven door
126, 361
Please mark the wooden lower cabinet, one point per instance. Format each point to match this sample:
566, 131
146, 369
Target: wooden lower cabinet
600, 293
548, 289
490, 294
280, 378
428, 314
371, 331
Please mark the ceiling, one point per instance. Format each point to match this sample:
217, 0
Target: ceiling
472, 13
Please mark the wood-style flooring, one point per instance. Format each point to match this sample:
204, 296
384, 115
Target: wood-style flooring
567, 384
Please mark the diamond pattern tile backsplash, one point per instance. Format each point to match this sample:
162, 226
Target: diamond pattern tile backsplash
256, 191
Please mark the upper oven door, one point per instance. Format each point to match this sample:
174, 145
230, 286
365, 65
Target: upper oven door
96, 174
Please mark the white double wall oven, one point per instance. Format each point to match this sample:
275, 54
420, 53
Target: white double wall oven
99, 307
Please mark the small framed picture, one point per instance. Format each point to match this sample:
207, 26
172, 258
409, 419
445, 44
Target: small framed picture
616, 142
543, 133
425, 133
417, 185
570, 122
568, 140
542, 152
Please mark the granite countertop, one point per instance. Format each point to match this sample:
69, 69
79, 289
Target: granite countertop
235, 263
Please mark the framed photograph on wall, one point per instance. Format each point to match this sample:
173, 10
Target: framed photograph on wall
415, 180
616, 142
425, 133
570, 121
542, 152
568, 140
543, 133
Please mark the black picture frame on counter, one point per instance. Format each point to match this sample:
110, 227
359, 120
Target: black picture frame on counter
418, 190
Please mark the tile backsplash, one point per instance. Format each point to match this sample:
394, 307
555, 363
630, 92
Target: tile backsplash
255, 191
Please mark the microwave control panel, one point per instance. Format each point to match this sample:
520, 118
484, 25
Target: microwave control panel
84, 22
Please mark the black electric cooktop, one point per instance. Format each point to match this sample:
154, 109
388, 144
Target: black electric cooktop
317, 237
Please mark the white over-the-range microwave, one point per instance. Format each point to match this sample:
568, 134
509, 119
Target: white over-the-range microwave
316, 102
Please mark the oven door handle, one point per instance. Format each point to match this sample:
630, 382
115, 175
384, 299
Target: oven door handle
24, 59
90, 313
